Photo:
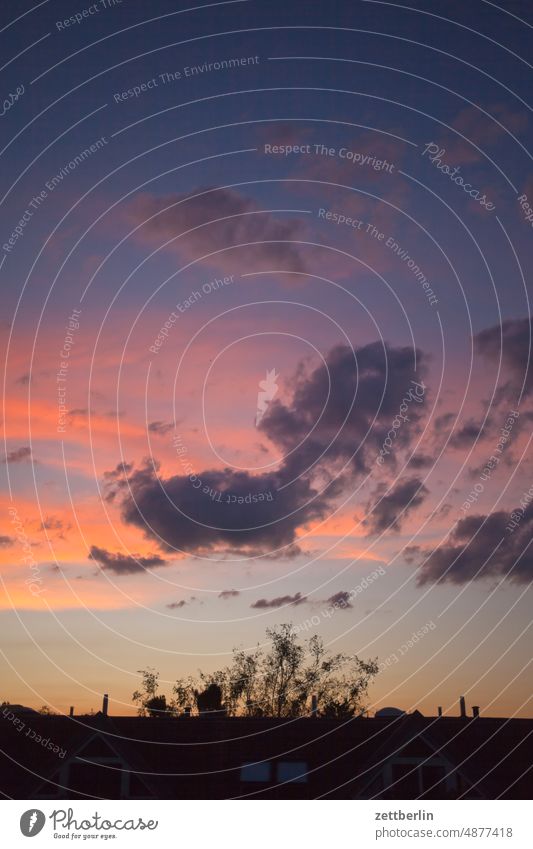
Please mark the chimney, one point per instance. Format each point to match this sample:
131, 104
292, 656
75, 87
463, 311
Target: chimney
475, 710
314, 705
105, 704
462, 707
71, 711
439, 711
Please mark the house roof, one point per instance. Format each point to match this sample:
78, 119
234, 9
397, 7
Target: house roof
202, 757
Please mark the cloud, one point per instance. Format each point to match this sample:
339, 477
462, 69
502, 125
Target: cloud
6, 542
123, 564
512, 339
470, 433
181, 516
177, 605
330, 430
412, 553
115, 478
444, 422
118, 472
343, 410
389, 511
53, 523
165, 217
421, 461
23, 380
18, 455
480, 547
481, 130
280, 601
341, 599
459, 437
83, 413
225, 594
160, 428
446, 508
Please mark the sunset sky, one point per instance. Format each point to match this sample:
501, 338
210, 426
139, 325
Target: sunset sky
265, 273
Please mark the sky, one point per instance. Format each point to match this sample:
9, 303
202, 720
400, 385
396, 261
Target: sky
266, 332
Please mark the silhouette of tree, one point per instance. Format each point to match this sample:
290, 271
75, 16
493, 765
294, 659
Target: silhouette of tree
156, 706
184, 691
150, 703
279, 682
210, 699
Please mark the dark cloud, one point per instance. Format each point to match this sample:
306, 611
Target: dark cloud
445, 421
267, 239
115, 479
412, 553
23, 380
18, 455
160, 428
118, 473
470, 433
225, 594
177, 605
457, 436
421, 461
83, 413
6, 542
512, 341
341, 599
387, 512
482, 547
330, 431
443, 510
124, 564
183, 517
53, 523
280, 601
343, 411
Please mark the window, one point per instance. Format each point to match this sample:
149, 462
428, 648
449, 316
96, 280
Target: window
256, 771
86, 777
433, 781
407, 778
293, 771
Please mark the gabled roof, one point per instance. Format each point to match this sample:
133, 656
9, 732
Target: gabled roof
202, 757
411, 738
495, 754
100, 743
